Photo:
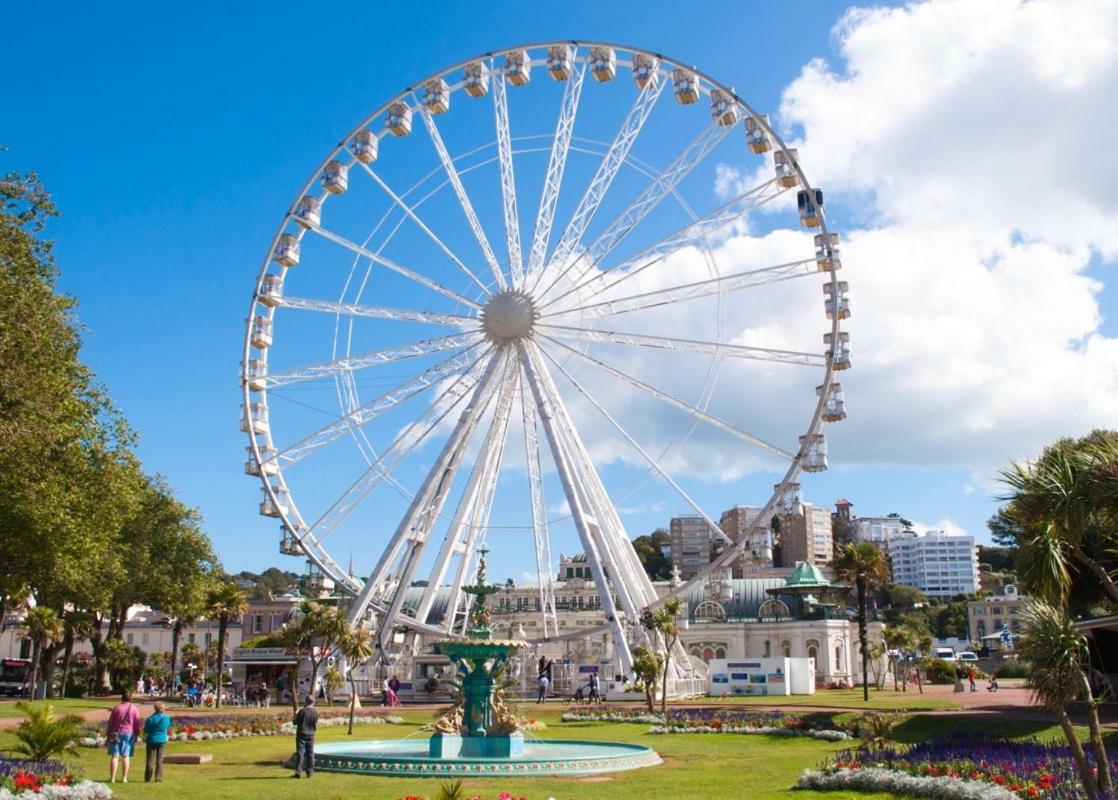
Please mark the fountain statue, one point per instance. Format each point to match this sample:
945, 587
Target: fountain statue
478, 723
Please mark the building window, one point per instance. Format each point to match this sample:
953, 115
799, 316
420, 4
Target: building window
838, 658
720, 652
209, 637
190, 638
786, 648
129, 638
768, 649
144, 638
257, 623
708, 654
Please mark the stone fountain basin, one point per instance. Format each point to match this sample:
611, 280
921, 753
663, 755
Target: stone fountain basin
410, 757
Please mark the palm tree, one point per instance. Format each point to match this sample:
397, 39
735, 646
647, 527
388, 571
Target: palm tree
1058, 654
227, 603
864, 565
1058, 502
663, 622
43, 625
324, 626
291, 636
357, 647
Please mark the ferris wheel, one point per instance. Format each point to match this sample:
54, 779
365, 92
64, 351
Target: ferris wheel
494, 285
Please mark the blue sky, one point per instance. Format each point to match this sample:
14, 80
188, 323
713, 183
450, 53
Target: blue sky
174, 139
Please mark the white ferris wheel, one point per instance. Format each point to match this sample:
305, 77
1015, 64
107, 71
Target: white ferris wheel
502, 278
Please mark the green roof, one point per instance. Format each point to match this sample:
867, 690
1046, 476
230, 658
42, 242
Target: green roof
806, 575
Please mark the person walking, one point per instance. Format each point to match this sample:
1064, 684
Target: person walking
390, 696
541, 688
124, 724
155, 742
595, 692
306, 726
970, 679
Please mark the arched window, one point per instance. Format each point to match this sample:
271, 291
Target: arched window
720, 652
768, 649
838, 658
786, 648
695, 651
813, 652
774, 609
708, 653
710, 611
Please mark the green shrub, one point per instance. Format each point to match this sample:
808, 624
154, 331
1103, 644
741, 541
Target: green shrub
1015, 668
43, 736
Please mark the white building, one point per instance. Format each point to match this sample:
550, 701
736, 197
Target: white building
937, 563
879, 530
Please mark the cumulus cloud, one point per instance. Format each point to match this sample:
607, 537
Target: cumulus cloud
964, 148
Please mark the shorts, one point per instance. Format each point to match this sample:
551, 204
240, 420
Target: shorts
122, 744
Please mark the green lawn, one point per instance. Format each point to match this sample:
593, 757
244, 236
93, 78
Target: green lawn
695, 766
67, 706
885, 699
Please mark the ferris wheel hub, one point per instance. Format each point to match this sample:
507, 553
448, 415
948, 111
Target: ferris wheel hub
508, 316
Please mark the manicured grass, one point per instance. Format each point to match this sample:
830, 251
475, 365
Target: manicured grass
67, 706
880, 700
695, 765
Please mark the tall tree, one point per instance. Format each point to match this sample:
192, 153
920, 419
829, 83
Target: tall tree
650, 552
357, 647
1064, 522
664, 623
1059, 658
226, 603
865, 566
43, 626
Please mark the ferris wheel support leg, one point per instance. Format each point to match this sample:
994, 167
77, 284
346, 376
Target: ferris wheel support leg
540, 531
578, 512
409, 536
482, 477
634, 591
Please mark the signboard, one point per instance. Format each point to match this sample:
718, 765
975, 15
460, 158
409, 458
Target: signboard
743, 665
259, 654
586, 668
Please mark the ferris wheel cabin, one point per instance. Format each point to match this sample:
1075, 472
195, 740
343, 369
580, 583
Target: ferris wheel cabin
398, 119
518, 67
308, 212
841, 353
560, 60
756, 137
475, 79
365, 146
645, 69
603, 64
287, 250
784, 164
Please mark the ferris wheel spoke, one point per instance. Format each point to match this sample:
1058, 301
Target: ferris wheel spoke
662, 185
693, 234
508, 177
540, 531
611, 162
463, 198
652, 462
796, 357
403, 445
410, 538
388, 355
379, 312
734, 282
560, 147
465, 360
471, 519
392, 265
410, 212
672, 400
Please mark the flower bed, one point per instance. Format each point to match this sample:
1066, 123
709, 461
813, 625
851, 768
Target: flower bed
707, 720
46, 780
961, 767
196, 728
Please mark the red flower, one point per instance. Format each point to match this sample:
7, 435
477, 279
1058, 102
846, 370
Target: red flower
975, 775
27, 780
999, 779
1033, 791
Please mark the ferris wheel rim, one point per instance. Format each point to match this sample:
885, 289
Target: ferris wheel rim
322, 559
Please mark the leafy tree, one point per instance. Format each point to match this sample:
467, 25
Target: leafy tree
357, 647
43, 625
124, 662
650, 551
225, 602
646, 667
43, 736
951, 620
663, 622
1004, 530
1064, 505
1058, 653
998, 559
865, 566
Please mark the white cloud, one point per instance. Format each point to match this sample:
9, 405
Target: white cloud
948, 526
965, 151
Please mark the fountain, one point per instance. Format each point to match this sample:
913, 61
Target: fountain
479, 734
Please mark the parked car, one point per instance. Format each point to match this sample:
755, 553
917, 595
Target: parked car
945, 654
967, 655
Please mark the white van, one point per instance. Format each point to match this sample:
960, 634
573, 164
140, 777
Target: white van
945, 654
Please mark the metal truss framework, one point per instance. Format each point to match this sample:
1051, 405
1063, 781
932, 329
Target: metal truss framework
474, 385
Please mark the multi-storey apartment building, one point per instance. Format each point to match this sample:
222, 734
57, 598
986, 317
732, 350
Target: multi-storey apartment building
937, 563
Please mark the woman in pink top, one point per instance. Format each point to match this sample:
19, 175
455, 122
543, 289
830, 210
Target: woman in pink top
124, 727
